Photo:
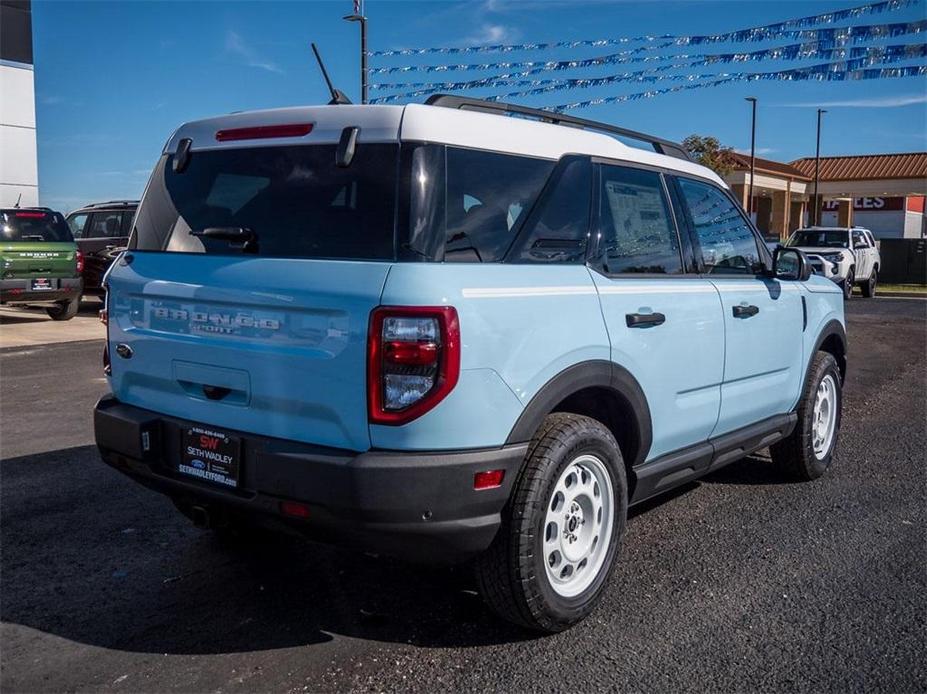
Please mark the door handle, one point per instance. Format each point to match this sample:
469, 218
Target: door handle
745, 311
644, 320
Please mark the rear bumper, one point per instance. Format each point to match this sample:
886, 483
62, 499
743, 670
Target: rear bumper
19, 291
419, 506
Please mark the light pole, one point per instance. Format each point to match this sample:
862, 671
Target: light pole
358, 16
817, 172
752, 100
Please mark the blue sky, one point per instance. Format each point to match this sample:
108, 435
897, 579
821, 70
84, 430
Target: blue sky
113, 80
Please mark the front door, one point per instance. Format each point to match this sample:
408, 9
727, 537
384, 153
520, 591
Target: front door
763, 316
664, 323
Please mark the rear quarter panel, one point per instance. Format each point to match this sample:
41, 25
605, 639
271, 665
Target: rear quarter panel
520, 326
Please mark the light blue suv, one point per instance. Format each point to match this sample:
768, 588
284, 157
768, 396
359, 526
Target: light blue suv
445, 333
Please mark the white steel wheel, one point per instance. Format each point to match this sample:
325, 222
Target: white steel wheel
824, 417
578, 525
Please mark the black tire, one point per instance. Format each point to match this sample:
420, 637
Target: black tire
63, 310
794, 455
869, 287
848, 285
511, 574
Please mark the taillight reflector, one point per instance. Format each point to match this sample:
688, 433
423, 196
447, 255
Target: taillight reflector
261, 132
488, 479
294, 509
413, 361
34, 215
79, 257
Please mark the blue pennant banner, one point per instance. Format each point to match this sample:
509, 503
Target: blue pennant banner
825, 38
759, 33
877, 73
872, 54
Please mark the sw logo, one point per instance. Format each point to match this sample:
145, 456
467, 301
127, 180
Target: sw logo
210, 443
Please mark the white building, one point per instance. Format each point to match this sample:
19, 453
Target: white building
19, 170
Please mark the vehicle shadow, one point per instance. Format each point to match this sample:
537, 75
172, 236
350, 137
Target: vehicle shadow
91, 557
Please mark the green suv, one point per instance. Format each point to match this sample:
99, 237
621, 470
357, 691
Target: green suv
39, 261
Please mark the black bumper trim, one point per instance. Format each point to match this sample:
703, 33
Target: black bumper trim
417, 505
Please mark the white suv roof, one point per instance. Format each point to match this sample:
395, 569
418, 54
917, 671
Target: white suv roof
426, 123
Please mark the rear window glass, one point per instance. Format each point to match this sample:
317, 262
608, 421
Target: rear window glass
33, 226
294, 202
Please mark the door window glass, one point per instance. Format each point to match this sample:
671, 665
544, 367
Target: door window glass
77, 222
637, 231
728, 243
104, 225
860, 240
560, 229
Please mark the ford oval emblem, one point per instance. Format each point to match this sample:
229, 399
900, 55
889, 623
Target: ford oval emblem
123, 350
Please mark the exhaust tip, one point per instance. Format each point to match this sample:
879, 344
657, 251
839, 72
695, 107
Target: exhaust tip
200, 516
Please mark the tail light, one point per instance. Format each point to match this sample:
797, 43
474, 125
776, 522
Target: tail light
79, 258
413, 361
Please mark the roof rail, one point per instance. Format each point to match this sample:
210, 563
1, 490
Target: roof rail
110, 202
661, 146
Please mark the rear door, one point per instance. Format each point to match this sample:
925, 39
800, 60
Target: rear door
261, 324
763, 316
664, 321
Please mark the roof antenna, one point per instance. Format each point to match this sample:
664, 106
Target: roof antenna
17, 201
338, 96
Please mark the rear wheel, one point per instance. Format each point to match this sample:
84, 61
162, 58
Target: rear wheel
869, 288
808, 451
63, 310
550, 561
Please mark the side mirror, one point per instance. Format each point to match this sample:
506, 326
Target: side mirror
790, 264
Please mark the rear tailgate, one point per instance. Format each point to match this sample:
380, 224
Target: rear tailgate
265, 345
27, 260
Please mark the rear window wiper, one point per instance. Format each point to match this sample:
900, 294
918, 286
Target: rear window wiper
239, 237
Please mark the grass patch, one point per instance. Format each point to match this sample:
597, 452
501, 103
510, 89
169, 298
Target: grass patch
907, 288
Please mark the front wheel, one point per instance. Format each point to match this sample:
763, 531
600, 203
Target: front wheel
807, 452
562, 529
869, 288
63, 310
848, 285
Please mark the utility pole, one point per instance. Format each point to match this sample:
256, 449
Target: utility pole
752, 100
817, 172
358, 16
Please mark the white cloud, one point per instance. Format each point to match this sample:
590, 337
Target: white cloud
875, 102
491, 34
760, 151
236, 45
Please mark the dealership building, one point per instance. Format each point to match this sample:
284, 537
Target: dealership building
882, 192
19, 170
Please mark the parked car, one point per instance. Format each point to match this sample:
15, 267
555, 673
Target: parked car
444, 333
41, 264
853, 251
102, 232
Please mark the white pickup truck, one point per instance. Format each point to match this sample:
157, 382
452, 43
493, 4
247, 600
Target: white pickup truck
853, 252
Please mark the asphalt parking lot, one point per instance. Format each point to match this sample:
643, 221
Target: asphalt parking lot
738, 582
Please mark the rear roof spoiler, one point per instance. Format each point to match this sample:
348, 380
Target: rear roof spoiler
463, 103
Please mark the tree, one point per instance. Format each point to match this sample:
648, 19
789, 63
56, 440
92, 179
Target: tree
708, 151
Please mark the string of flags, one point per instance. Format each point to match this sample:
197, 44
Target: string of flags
839, 49
759, 33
